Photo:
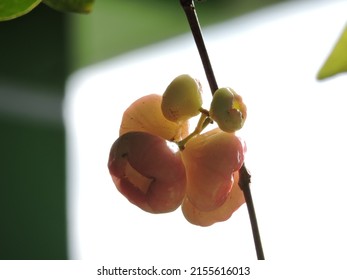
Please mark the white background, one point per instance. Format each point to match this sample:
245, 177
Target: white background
295, 133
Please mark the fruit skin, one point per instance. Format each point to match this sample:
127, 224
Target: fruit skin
210, 160
203, 176
233, 201
228, 110
147, 172
145, 115
182, 99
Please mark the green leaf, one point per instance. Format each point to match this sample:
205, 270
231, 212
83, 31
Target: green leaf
10, 9
337, 60
76, 6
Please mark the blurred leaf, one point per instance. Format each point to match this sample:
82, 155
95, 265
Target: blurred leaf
76, 6
337, 61
10, 9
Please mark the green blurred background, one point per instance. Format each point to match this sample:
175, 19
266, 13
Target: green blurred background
38, 52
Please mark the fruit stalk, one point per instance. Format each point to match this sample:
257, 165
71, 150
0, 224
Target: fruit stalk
189, 9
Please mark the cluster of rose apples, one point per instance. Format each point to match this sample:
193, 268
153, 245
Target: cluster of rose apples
201, 175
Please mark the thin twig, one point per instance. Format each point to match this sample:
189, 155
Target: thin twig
189, 9
244, 181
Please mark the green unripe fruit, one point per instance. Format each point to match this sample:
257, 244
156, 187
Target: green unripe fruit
228, 110
182, 99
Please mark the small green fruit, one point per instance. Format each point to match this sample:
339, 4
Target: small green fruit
228, 110
182, 99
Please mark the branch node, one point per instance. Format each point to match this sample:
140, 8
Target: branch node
245, 177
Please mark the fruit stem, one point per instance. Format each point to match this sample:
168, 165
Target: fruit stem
202, 123
189, 9
244, 181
